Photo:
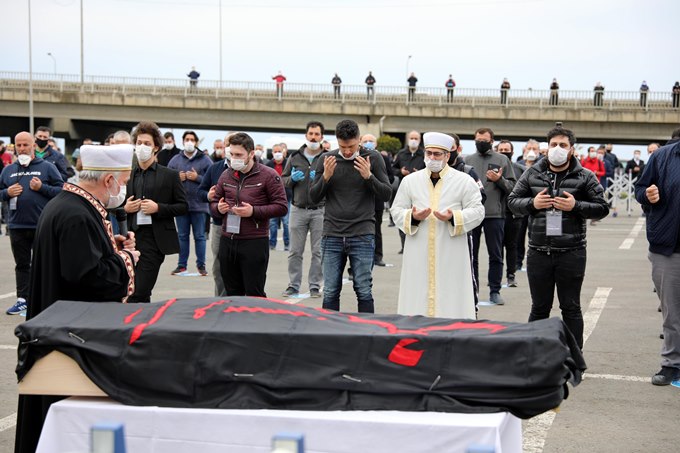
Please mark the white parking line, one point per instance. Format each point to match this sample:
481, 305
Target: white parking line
8, 422
536, 429
8, 346
617, 377
630, 240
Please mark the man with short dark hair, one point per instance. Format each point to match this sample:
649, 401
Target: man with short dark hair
246, 196
559, 195
306, 215
658, 188
498, 179
169, 150
27, 185
47, 153
350, 179
191, 164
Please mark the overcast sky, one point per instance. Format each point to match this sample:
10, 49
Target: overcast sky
580, 42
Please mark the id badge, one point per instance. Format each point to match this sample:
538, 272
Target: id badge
233, 224
143, 219
13, 203
553, 223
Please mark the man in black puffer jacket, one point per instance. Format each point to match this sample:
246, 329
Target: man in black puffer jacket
559, 195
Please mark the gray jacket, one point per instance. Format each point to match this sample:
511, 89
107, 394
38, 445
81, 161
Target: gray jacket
301, 197
496, 192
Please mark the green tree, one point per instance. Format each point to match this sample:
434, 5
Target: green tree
389, 143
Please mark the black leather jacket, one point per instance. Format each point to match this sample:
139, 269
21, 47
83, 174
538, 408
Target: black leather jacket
578, 181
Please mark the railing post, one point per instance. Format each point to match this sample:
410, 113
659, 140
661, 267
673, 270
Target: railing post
248, 91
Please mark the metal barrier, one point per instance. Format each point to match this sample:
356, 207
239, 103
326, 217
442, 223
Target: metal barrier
309, 92
621, 188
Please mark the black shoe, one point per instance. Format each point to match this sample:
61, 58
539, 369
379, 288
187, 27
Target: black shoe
290, 291
401, 252
178, 270
380, 263
511, 281
496, 299
202, 271
661, 336
314, 293
391, 224
666, 375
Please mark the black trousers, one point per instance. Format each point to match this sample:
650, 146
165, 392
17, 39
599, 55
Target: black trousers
243, 264
521, 242
148, 266
493, 235
510, 235
21, 241
565, 271
378, 254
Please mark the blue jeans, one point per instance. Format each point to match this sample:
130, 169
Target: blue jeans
192, 221
274, 229
334, 254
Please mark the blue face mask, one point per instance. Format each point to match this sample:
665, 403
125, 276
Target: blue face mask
369, 146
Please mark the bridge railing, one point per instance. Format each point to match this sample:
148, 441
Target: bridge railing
309, 92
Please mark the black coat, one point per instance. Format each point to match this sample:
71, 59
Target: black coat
170, 195
590, 204
412, 162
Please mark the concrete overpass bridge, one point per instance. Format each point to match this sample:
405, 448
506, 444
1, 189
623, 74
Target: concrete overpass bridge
98, 105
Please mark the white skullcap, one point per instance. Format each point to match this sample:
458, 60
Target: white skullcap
106, 158
530, 155
438, 140
543, 145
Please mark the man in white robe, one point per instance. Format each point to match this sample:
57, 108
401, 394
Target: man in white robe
436, 207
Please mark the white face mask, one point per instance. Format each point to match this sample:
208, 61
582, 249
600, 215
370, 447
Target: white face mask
168, 145
24, 159
238, 164
278, 157
117, 200
352, 157
413, 144
592, 154
636, 157
189, 147
258, 153
435, 166
143, 152
557, 156
314, 146
227, 153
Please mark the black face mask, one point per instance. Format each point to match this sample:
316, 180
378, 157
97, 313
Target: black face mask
508, 155
482, 147
41, 142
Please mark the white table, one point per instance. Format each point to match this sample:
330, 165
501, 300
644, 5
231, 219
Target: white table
173, 430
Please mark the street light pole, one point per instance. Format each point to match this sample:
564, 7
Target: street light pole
54, 61
82, 51
220, 44
31, 119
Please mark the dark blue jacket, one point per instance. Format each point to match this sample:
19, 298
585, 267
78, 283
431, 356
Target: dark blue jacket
210, 179
199, 162
663, 221
57, 159
30, 203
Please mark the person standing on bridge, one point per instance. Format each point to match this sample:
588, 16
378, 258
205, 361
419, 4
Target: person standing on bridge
279, 79
598, 94
193, 77
336, 82
412, 80
675, 92
505, 87
450, 84
559, 195
554, 92
657, 188
644, 90
370, 81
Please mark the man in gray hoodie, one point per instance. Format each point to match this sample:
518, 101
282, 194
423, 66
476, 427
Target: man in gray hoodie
498, 178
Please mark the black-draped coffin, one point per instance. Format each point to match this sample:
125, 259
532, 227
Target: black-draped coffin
250, 353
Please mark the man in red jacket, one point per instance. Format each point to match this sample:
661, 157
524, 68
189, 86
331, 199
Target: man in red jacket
592, 163
248, 195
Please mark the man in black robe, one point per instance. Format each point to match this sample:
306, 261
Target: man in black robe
77, 257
